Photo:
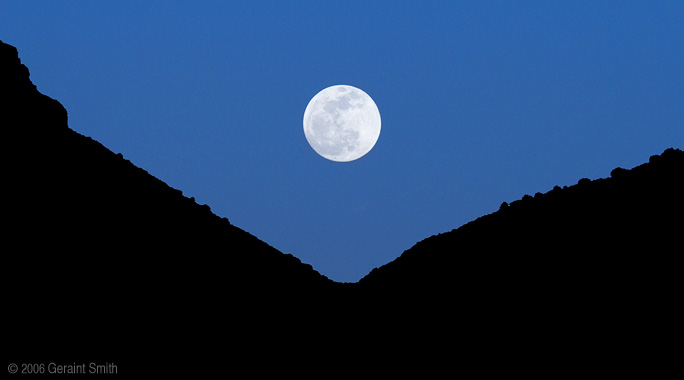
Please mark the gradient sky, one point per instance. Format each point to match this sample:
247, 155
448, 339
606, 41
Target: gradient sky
481, 102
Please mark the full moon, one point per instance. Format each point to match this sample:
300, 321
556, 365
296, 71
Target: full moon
342, 123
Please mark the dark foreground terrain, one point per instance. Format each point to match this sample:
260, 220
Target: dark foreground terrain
104, 263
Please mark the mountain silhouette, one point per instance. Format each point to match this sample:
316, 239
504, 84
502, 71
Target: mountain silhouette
104, 261
94, 243
581, 276
603, 224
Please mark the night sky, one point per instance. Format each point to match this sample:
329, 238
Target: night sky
481, 102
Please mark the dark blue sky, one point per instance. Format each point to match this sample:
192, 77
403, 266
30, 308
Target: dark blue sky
481, 102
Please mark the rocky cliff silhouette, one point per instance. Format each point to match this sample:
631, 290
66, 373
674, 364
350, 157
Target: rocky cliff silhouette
593, 228
583, 277
100, 254
101, 257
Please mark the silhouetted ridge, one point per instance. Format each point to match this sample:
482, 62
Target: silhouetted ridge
97, 201
95, 243
103, 257
632, 213
579, 278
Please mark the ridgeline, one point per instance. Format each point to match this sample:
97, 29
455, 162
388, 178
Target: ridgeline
104, 262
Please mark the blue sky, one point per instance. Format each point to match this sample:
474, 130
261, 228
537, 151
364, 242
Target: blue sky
481, 102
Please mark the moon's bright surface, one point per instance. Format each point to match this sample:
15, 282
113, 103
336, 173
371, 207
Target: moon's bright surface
342, 123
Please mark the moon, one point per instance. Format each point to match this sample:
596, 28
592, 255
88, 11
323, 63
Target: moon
342, 123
